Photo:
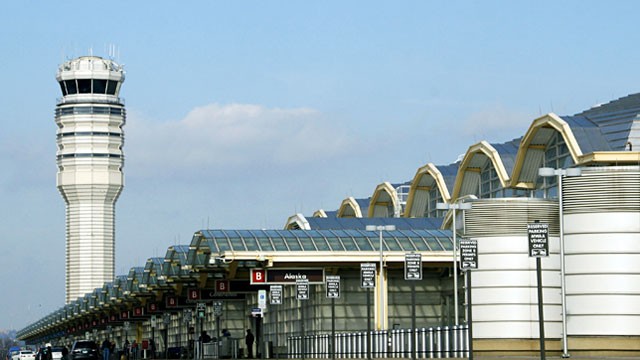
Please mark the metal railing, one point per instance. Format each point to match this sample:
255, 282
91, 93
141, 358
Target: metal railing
438, 342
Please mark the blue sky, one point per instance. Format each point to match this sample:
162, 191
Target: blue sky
242, 113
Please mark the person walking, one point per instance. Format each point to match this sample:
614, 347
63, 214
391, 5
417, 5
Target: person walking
134, 350
248, 340
106, 349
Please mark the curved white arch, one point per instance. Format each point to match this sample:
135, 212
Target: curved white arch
468, 177
427, 177
384, 202
349, 208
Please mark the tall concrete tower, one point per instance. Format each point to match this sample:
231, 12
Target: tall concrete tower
90, 117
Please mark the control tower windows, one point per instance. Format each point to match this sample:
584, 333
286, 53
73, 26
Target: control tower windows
111, 87
63, 88
71, 87
89, 86
99, 86
84, 86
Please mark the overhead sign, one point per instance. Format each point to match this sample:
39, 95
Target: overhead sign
468, 254
367, 275
258, 276
538, 239
333, 286
275, 294
413, 266
302, 289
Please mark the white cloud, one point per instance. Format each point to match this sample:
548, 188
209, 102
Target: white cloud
233, 135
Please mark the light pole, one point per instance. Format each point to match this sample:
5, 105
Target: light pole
381, 228
454, 207
548, 172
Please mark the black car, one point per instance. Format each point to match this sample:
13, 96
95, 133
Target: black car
84, 350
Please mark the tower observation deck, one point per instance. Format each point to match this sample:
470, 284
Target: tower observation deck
90, 117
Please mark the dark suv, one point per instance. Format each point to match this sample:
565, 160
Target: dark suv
84, 350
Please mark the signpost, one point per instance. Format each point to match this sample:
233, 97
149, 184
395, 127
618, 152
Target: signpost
413, 272
468, 262
368, 281
302, 293
538, 234
333, 293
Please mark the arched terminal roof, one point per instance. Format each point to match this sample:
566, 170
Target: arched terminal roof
384, 202
350, 208
428, 178
476, 158
299, 222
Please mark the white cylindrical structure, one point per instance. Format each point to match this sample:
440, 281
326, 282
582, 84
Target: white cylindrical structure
504, 287
90, 117
602, 251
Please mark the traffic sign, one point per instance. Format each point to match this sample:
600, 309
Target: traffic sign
186, 315
217, 308
468, 254
127, 325
275, 294
154, 319
538, 239
201, 309
367, 275
166, 318
302, 289
333, 286
262, 299
413, 266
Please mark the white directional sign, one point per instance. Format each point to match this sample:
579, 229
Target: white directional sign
333, 286
275, 294
413, 266
367, 275
538, 239
302, 289
468, 254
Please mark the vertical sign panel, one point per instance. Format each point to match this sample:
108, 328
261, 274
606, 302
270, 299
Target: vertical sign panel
333, 286
413, 266
275, 294
538, 239
367, 275
468, 254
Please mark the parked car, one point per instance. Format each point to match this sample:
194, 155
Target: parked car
24, 355
84, 350
56, 352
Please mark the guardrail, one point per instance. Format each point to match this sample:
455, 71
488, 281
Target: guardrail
438, 342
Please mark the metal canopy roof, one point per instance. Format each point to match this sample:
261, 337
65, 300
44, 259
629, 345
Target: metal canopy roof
220, 241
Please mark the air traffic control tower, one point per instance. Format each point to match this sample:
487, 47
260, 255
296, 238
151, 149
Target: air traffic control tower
90, 117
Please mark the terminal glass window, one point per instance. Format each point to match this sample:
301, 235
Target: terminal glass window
490, 186
434, 198
556, 156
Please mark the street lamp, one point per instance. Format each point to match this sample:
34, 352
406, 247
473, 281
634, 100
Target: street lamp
548, 172
454, 207
381, 228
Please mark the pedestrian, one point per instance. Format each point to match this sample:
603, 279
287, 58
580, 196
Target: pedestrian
248, 340
106, 349
134, 350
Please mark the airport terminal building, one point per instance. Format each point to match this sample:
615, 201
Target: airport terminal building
578, 175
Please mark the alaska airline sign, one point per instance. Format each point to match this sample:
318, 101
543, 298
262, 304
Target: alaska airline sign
286, 276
